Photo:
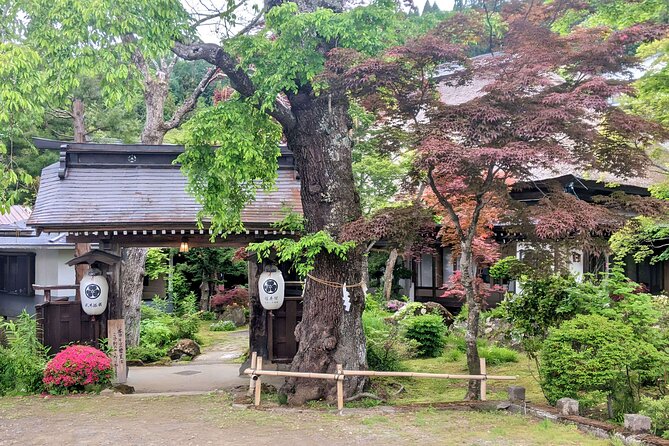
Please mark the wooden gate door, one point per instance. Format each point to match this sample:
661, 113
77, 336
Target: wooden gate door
61, 323
281, 326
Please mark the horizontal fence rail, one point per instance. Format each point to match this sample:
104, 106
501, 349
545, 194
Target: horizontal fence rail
256, 371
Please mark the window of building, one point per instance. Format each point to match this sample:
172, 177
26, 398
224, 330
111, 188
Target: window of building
425, 274
17, 273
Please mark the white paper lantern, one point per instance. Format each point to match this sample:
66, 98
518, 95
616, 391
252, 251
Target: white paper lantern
94, 291
272, 289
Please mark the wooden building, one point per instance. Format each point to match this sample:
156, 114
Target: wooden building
127, 195
431, 272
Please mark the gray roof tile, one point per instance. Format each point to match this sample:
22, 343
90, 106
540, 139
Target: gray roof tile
90, 198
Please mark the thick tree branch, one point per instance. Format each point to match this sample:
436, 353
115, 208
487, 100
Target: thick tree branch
480, 203
189, 104
446, 204
239, 79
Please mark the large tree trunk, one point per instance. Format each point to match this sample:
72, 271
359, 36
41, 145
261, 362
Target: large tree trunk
79, 131
328, 334
156, 90
388, 274
467, 267
132, 271
132, 283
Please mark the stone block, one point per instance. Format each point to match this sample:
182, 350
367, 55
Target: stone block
567, 406
638, 424
516, 394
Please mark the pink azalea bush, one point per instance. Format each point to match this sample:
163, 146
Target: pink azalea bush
75, 367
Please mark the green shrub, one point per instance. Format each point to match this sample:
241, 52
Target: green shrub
155, 332
386, 347
150, 312
429, 332
545, 302
22, 362
146, 353
223, 326
498, 355
186, 327
658, 411
452, 355
160, 329
187, 306
207, 315
508, 268
588, 358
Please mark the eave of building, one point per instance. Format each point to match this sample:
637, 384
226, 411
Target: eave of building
106, 190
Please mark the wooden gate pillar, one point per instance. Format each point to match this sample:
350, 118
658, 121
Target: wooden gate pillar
113, 275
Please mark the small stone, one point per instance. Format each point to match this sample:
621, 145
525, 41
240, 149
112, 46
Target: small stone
234, 314
516, 394
638, 424
240, 406
106, 392
123, 389
183, 347
503, 405
567, 406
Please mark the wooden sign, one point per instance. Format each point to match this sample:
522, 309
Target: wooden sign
116, 333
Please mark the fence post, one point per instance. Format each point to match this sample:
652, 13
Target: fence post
340, 388
484, 381
258, 385
254, 358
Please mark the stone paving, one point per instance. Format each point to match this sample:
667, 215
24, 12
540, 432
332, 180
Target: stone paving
215, 369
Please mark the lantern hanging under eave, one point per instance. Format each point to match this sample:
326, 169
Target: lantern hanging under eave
271, 288
94, 291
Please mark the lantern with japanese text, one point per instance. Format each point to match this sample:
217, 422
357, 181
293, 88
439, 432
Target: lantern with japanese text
272, 289
94, 291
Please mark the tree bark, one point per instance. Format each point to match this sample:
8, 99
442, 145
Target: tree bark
204, 293
389, 273
79, 131
78, 120
134, 259
132, 283
468, 271
328, 334
81, 270
155, 95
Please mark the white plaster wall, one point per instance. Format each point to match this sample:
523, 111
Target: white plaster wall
576, 268
51, 269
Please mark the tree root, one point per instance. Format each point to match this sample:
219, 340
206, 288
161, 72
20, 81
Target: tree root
359, 396
400, 390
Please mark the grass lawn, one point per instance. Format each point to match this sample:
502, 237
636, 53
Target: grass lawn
209, 338
417, 390
212, 419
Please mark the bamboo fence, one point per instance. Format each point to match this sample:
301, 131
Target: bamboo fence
256, 371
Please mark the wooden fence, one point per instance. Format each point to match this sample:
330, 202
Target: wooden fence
256, 371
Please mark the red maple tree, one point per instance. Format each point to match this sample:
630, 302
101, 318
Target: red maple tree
545, 100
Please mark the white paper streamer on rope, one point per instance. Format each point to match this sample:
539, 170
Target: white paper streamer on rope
346, 298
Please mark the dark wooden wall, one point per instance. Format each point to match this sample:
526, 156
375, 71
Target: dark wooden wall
60, 323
